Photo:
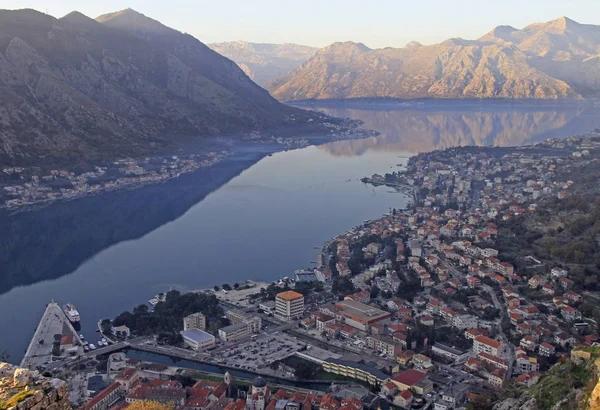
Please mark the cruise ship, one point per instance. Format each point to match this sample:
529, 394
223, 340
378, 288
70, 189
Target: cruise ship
72, 313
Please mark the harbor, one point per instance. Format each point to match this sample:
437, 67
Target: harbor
54, 334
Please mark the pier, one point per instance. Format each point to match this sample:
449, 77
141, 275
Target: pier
54, 322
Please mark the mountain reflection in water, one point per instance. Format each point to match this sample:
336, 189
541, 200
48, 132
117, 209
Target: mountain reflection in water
437, 127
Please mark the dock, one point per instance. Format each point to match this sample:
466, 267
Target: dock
54, 322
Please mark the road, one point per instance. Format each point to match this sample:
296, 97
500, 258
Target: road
93, 353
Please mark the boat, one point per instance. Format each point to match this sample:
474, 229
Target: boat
105, 341
86, 349
92, 346
81, 337
72, 313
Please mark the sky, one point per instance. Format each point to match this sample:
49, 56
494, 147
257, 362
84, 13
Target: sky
376, 23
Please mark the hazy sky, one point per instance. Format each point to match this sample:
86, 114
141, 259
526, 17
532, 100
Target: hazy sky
377, 23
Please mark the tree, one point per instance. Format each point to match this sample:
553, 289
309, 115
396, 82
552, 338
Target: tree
236, 285
216, 288
226, 287
106, 326
305, 371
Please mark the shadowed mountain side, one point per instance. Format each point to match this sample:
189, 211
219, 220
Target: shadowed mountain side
411, 130
56, 240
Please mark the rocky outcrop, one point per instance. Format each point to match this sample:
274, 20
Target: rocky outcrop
550, 61
21, 389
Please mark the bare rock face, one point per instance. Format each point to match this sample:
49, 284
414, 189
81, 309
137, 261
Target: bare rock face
264, 62
21, 377
24, 389
549, 61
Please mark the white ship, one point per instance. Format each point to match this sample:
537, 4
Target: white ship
72, 313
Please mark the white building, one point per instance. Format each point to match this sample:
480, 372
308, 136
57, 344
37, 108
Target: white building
194, 321
198, 339
289, 305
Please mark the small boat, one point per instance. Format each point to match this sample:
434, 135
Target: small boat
105, 341
81, 337
92, 346
86, 349
72, 313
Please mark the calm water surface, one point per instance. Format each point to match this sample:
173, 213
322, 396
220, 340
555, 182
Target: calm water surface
251, 217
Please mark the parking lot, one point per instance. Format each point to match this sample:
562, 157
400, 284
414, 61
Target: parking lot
259, 353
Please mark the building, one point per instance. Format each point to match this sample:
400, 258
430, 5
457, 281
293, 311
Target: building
384, 344
359, 371
166, 392
486, 345
235, 332
289, 305
267, 306
237, 316
448, 352
128, 377
121, 331
194, 321
106, 398
359, 315
197, 339
403, 399
413, 380
546, 349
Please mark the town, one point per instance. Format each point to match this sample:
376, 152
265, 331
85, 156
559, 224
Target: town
443, 303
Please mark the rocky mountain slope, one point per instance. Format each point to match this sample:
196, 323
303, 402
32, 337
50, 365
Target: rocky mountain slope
555, 60
264, 62
76, 89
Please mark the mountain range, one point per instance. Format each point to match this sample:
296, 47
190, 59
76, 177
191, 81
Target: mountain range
77, 89
559, 59
264, 62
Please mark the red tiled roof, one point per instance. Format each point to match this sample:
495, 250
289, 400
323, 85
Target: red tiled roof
101, 396
488, 341
410, 377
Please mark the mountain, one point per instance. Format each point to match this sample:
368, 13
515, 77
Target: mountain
264, 62
555, 60
76, 90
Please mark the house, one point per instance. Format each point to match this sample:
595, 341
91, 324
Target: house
535, 281
496, 377
573, 297
403, 399
570, 313
558, 272
486, 345
564, 339
422, 362
471, 334
548, 289
474, 282
426, 320
389, 389
493, 360
546, 349
405, 357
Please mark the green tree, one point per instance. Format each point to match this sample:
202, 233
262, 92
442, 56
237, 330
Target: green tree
226, 286
236, 285
106, 326
305, 371
216, 288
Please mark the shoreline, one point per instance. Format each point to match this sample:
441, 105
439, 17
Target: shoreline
231, 149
